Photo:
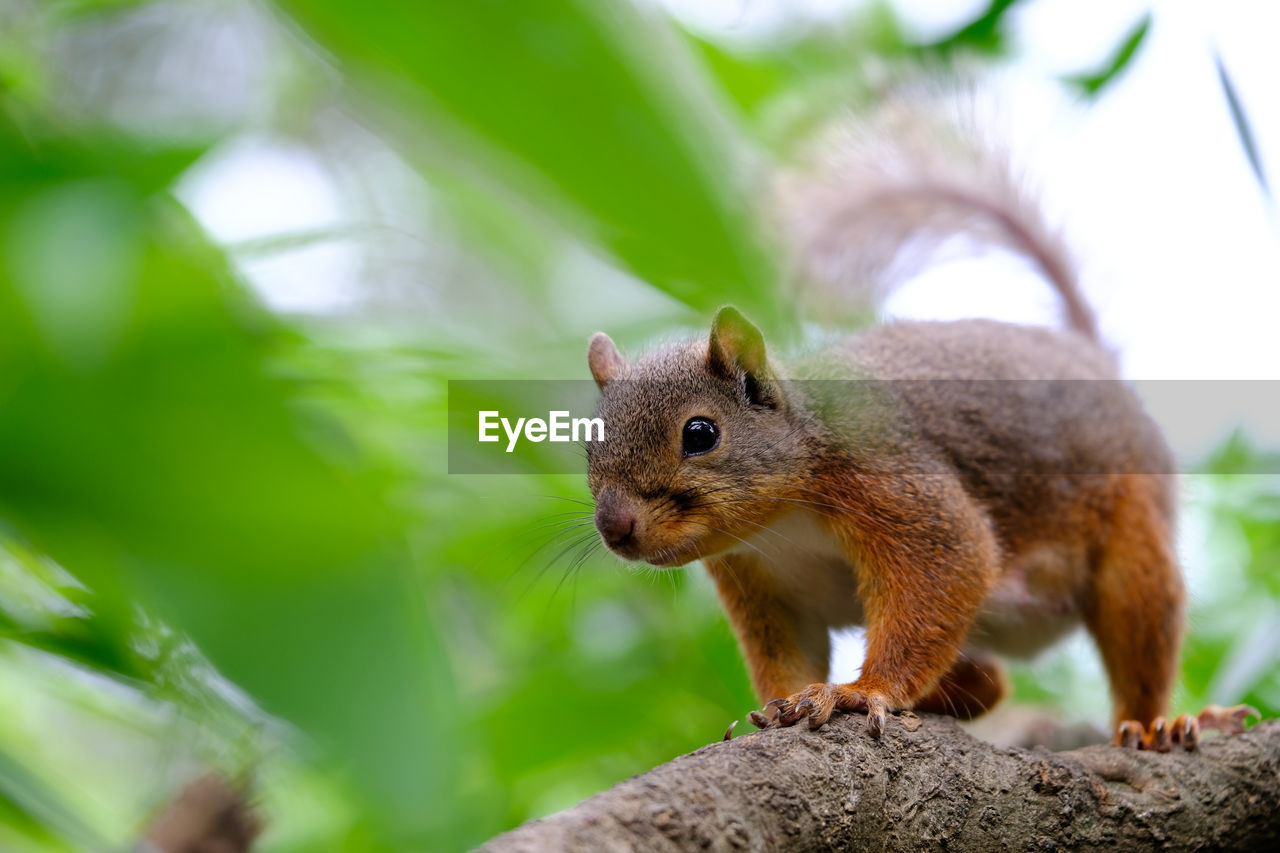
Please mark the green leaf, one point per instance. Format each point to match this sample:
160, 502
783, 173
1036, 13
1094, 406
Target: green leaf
1244, 129
590, 109
87, 642
31, 152
1092, 83
983, 35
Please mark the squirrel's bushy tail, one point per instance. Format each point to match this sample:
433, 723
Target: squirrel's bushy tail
878, 197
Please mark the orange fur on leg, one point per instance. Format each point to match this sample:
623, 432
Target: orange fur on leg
1134, 613
783, 653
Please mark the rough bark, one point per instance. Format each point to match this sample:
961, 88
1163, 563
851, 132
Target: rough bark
928, 785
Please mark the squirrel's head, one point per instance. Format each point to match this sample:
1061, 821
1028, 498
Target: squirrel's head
699, 445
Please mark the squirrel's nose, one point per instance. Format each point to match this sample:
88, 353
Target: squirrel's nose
616, 524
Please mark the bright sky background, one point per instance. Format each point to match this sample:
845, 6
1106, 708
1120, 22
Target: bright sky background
1150, 183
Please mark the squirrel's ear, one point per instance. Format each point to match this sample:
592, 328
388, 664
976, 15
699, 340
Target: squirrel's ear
735, 343
604, 359
736, 350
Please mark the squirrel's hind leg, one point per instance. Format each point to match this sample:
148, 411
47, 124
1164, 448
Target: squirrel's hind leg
1134, 610
974, 685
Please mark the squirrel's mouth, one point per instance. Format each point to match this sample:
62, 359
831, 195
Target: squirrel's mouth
670, 558
665, 545
662, 556
667, 557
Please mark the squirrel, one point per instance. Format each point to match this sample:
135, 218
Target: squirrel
962, 489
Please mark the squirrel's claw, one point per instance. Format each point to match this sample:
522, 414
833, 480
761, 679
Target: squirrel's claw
817, 702
1160, 740
876, 711
1129, 735
802, 709
1185, 731
1229, 721
1159, 736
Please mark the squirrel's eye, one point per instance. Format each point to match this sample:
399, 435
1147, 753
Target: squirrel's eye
701, 435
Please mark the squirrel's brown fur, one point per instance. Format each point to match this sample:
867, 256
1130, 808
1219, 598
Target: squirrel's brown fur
958, 488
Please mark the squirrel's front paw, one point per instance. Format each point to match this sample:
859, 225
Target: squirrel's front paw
817, 702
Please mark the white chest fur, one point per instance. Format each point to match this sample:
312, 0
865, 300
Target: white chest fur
809, 567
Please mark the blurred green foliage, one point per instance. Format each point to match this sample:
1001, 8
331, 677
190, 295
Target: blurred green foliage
227, 537
148, 448
582, 96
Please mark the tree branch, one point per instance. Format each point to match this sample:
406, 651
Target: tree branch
928, 785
